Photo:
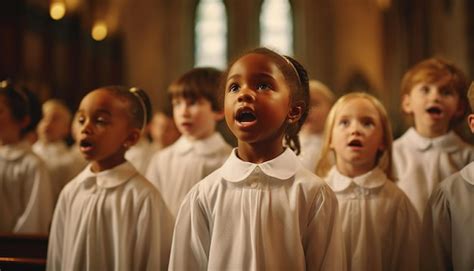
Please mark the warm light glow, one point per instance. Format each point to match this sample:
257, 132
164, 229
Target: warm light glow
384, 4
57, 10
99, 31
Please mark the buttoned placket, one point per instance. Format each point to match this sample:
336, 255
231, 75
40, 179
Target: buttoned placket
253, 181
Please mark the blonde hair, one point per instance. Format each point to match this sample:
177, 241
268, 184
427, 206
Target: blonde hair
383, 158
318, 87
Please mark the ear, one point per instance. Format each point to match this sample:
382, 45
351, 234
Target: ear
132, 138
406, 104
470, 121
460, 110
295, 112
218, 115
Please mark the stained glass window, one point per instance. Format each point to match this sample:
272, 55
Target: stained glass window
276, 26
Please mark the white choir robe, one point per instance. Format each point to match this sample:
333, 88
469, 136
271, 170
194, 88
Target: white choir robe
111, 220
422, 163
380, 225
26, 204
271, 216
61, 163
311, 145
140, 155
177, 168
448, 224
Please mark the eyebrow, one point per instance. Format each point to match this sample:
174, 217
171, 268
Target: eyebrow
99, 111
266, 75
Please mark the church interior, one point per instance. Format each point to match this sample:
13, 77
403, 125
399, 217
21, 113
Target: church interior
65, 48
346, 44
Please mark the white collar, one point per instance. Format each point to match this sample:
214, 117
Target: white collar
282, 167
108, 178
53, 147
14, 151
449, 142
205, 146
467, 173
372, 179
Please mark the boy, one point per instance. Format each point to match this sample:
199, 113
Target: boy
430, 151
200, 150
321, 101
447, 240
53, 129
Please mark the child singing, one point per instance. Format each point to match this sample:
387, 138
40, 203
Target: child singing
262, 209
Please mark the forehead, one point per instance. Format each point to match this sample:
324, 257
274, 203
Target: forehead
359, 107
103, 100
256, 64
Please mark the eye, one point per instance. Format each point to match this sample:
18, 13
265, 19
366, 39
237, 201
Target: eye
343, 122
233, 87
263, 86
101, 120
424, 89
447, 92
368, 123
81, 120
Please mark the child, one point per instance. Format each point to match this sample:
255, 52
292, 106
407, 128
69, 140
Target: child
431, 151
262, 209
140, 154
53, 129
321, 101
380, 224
25, 185
200, 150
162, 130
109, 217
448, 223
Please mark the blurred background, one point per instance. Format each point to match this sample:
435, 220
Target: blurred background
65, 48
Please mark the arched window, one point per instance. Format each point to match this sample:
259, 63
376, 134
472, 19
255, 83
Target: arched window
211, 34
276, 26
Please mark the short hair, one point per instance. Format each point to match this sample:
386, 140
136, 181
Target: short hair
439, 71
140, 105
202, 82
296, 77
319, 87
470, 96
22, 103
383, 159
60, 105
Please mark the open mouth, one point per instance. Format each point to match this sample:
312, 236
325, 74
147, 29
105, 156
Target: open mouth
355, 143
434, 110
245, 115
85, 145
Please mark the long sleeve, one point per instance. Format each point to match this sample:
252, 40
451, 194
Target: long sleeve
323, 243
37, 198
191, 238
436, 234
56, 236
406, 237
154, 230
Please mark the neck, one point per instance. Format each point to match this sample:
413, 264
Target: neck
431, 132
98, 166
352, 170
258, 153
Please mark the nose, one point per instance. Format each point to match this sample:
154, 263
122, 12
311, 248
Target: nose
435, 94
85, 128
246, 95
355, 128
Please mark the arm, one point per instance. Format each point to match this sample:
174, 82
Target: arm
154, 231
38, 201
436, 234
406, 235
323, 243
56, 236
192, 237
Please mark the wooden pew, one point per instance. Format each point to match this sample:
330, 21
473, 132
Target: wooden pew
23, 251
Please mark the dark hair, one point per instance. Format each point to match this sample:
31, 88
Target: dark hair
22, 103
198, 83
297, 79
439, 71
140, 105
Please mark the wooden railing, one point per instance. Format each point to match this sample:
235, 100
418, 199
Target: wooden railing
23, 252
